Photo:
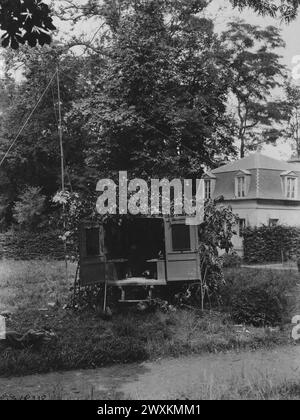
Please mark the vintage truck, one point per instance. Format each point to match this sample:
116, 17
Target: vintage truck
142, 251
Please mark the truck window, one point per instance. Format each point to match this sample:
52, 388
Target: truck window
181, 239
92, 242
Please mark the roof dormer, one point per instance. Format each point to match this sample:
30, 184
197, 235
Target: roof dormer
209, 185
242, 183
289, 182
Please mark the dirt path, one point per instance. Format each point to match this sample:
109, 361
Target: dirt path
277, 267
164, 379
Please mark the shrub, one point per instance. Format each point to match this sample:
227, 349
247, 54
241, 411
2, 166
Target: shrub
258, 297
28, 210
257, 306
231, 260
25, 245
271, 243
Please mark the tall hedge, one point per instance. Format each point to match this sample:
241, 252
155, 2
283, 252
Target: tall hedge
26, 245
271, 243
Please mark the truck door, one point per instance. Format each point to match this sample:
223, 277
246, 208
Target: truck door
182, 256
92, 254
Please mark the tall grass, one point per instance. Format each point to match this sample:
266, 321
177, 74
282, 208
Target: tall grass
87, 341
84, 340
33, 284
266, 389
234, 389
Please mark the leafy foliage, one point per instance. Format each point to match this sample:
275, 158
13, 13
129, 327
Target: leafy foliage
287, 9
25, 21
75, 209
154, 104
256, 71
258, 306
257, 297
36, 245
271, 243
232, 259
292, 128
158, 105
215, 233
149, 95
29, 208
34, 159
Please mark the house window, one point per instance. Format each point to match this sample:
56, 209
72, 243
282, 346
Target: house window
92, 242
241, 186
207, 184
181, 238
242, 226
273, 222
291, 187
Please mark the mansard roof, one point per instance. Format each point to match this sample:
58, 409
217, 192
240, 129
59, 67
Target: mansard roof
265, 176
257, 161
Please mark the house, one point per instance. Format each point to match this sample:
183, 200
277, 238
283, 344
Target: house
260, 190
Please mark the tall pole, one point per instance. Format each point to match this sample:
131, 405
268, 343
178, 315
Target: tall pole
62, 166
60, 134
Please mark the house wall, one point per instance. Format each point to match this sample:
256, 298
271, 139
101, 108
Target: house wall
258, 212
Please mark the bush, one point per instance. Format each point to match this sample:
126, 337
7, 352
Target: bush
271, 243
258, 297
231, 260
29, 209
25, 245
257, 306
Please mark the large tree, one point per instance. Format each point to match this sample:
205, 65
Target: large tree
148, 94
291, 130
158, 106
256, 71
150, 99
35, 157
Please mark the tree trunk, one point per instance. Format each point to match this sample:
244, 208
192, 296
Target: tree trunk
242, 149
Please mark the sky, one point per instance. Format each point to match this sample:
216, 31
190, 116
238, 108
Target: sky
222, 12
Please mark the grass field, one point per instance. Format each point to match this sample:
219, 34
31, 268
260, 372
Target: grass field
262, 391
84, 340
33, 284
265, 390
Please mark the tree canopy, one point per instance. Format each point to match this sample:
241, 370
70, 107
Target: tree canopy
34, 158
256, 71
148, 94
286, 9
31, 20
158, 104
291, 126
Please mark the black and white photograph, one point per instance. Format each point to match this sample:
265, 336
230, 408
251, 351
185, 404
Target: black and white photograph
149, 203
